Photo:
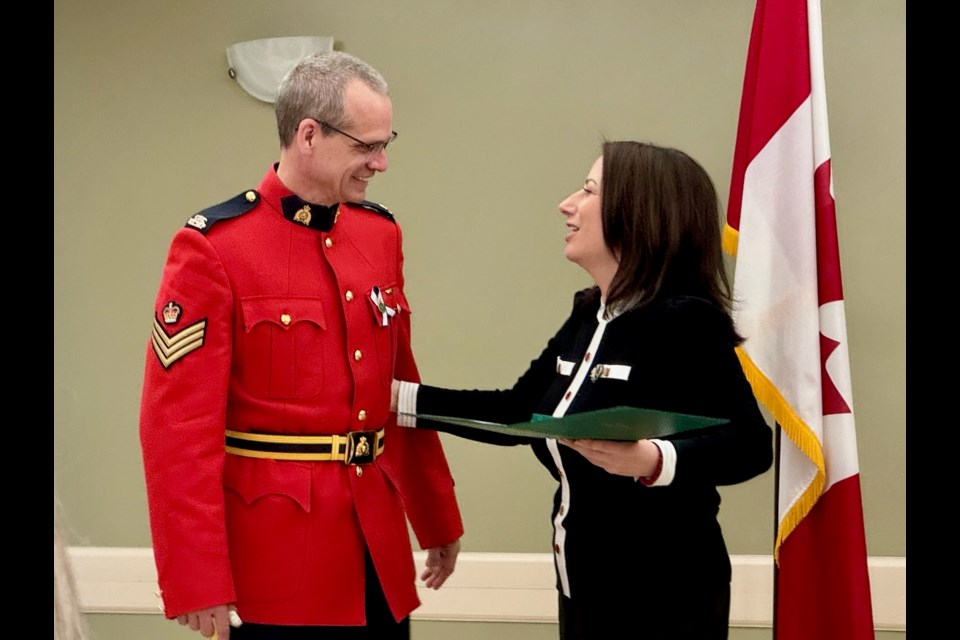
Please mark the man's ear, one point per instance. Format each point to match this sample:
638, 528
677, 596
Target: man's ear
308, 133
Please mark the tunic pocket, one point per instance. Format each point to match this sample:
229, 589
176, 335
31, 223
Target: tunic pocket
281, 346
268, 505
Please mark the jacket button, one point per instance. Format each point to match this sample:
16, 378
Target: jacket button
362, 415
328, 242
357, 355
285, 319
388, 291
348, 295
250, 196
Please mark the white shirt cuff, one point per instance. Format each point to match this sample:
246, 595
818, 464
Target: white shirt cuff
407, 404
669, 468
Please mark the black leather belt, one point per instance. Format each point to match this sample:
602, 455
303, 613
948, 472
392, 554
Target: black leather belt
353, 447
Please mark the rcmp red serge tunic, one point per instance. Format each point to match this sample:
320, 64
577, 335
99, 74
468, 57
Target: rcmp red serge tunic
266, 324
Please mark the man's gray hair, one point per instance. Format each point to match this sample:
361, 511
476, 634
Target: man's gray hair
315, 88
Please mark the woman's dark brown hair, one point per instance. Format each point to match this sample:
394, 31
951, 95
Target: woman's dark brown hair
661, 216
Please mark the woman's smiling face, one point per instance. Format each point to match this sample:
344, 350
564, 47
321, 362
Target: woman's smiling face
585, 244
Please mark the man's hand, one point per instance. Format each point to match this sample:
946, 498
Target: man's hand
208, 622
440, 563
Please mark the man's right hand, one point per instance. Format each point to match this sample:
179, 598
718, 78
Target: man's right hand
209, 621
441, 562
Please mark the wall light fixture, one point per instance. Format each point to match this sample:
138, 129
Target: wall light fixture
260, 65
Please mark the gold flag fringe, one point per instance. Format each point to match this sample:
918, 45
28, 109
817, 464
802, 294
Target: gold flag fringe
800, 434
730, 239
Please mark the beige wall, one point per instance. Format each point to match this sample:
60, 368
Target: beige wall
501, 106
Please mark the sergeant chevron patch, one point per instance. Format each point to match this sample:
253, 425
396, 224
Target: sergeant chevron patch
170, 348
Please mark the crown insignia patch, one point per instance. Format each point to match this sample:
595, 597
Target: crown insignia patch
171, 312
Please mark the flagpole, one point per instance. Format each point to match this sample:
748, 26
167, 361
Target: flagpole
776, 521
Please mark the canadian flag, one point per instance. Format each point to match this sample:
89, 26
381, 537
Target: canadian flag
781, 226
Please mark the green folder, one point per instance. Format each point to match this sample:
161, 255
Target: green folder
617, 423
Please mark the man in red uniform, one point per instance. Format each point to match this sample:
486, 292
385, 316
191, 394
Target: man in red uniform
279, 485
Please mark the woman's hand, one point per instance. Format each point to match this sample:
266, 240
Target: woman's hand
635, 459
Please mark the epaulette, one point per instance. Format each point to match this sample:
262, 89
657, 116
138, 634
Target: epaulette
375, 207
232, 208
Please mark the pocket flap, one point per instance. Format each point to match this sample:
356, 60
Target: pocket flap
564, 367
284, 312
253, 478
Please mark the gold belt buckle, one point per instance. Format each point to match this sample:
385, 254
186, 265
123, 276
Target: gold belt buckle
361, 447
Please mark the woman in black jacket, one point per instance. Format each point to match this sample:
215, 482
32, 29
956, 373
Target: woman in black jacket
638, 549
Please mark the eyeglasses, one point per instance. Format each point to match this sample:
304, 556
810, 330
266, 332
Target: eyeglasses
371, 148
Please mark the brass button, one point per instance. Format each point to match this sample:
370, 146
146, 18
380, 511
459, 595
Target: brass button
359, 471
348, 295
250, 196
357, 355
328, 242
362, 415
285, 318
388, 291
